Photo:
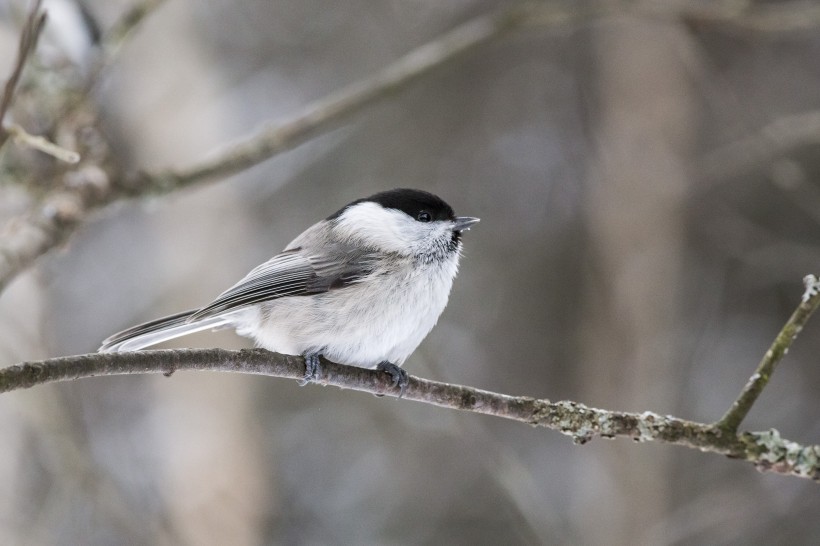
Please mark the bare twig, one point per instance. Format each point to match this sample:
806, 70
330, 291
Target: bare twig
770, 142
748, 396
326, 113
766, 450
28, 41
42, 144
130, 20
754, 16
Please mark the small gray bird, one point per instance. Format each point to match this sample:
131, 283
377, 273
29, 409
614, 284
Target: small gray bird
362, 287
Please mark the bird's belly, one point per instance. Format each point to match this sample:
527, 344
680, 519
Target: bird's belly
353, 326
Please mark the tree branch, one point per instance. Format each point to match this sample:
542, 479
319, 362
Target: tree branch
768, 143
753, 16
22, 137
766, 450
748, 396
126, 24
326, 113
65, 209
28, 41
56, 217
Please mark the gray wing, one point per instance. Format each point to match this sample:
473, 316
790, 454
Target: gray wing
293, 273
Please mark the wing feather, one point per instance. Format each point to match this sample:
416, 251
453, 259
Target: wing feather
292, 273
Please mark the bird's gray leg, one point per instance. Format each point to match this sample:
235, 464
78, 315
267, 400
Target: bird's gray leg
400, 377
312, 368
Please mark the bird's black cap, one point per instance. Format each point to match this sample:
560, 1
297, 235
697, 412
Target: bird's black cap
411, 202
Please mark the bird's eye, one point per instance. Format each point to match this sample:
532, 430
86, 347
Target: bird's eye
424, 216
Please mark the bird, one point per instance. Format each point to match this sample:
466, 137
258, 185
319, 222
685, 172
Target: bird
362, 287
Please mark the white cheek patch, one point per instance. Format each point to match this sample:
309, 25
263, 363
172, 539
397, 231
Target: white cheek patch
392, 230
386, 229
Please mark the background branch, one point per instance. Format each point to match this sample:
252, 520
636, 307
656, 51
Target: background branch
119, 32
28, 41
759, 148
325, 114
755, 17
41, 144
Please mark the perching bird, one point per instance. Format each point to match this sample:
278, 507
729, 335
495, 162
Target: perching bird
362, 287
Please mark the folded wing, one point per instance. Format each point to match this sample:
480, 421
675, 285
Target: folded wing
291, 273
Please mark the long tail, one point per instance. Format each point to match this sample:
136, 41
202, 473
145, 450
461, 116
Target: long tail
157, 331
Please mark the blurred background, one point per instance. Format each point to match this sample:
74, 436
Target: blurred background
648, 189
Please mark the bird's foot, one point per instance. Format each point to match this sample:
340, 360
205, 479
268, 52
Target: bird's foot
399, 376
312, 369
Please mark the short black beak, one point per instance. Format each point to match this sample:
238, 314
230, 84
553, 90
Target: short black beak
463, 223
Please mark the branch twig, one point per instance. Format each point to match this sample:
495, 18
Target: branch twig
766, 450
779, 137
754, 16
748, 396
126, 24
325, 114
42, 144
28, 41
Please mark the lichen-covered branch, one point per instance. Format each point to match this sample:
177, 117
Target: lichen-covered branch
748, 396
766, 450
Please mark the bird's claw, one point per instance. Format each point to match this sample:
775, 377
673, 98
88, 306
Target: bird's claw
312, 369
399, 376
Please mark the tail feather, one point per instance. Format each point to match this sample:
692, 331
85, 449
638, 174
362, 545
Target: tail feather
159, 330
